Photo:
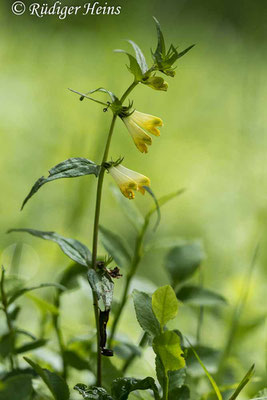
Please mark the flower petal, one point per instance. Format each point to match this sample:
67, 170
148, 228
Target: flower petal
140, 137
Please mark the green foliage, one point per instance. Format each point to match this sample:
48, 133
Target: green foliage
209, 356
71, 168
243, 383
122, 387
165, 59
35, 344
24, 290
17, 387
164, 304
198, 296
115, 247
6, 345
183, 261
167, 347
74, 249
144, 313
54, 382
92, 393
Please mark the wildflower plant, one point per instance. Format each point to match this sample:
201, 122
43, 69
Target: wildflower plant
154, 312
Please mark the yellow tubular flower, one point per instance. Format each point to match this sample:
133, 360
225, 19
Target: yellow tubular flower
137, 123
128, 180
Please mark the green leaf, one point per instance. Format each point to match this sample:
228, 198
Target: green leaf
176, 378
182, 393
126, 350
115, 247
183, 261
161, 49
140, 58
102, 285
144, 313
122, 387
70, 274
167, 347
6, 345
164, 304
17, 387
76, 361
129, 209
243, 383
36, 344
198, 296
134, 67
22, 291
94, 393
74, 249
43, 305
212, 381
156, 208
209, 356
54, 382
71, 168
161, 202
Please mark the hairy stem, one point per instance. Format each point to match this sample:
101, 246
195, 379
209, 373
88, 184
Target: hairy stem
96, 226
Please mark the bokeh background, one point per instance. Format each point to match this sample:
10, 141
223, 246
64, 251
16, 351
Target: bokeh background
213, 143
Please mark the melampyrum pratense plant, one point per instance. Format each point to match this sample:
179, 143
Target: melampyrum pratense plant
173, 352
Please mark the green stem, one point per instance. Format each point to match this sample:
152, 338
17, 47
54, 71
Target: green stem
60, 337
201, 309
96, 226
166, 387
8, 320
135, 262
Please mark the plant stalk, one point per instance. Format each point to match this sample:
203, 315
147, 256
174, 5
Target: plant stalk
8, 320
96, 226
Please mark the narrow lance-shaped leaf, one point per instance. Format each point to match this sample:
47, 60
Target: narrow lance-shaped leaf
35, 344
74, 249
115, 247
198, 296
160, 50
122, 387
134, 67
140, 58
22, 291
70, 168
164, 304
157, 208
210, 378
54, 382
243, 383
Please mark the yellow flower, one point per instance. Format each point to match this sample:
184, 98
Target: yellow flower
128, 180
137, 123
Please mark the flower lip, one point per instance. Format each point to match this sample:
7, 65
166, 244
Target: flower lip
129, 180
138, 123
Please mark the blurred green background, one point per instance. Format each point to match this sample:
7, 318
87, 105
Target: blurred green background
213, 143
